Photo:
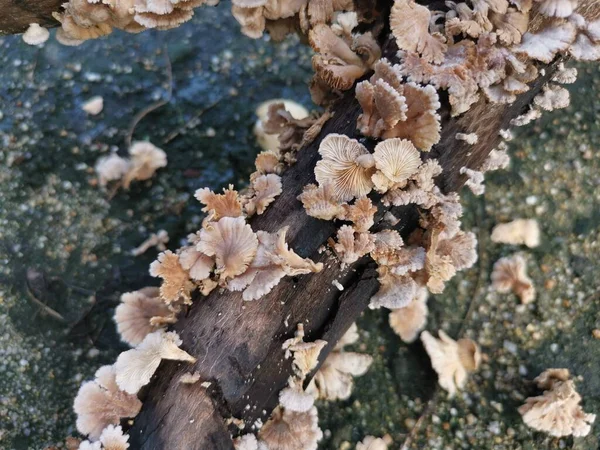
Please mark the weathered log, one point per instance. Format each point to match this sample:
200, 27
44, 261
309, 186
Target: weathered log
16, 15
238, 344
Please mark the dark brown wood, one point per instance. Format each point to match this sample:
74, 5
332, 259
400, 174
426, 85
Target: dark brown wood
16, 15
238, 344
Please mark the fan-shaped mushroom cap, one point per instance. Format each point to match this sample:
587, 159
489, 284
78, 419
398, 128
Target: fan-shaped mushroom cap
226, 204
396, 160
270, 141
294, 398
134, 314
351, 246
265, 188
134, 368
510, 26
342, 167
100, 403
198, 265
545, 44
556, 8
395, 291
451, 359
289, 430
517, 232
509, 274
146, 158
306, 356
387, 244
409, 22
252, 20
407, 322
553, 97
320, 202
111, 168
112, 438
587, 45
35, 34
557, 412
233, 244
361, 214
334, 380
176, 283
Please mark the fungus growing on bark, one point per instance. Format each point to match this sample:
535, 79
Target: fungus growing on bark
176, 283
509, 274
361, 214
141, 313
517, 232
556, 8
557, 411
270, 141
157, 240
452, 360
111, 168
553, 97
272, 262
396, 160
93, 106
246, 442
264, 190
294, 398
100, 403
352, 245
346, 165
407, 322
226, 204
587, 45
233, 244
474, 180
289, 430
146, 159
306, 356
497, 159
134, 368
392, 108
395, 291
112, 438
320, 202
339, 62
334, 380
189, 378
35, 34
410, 22
374, 443
198, 265
470, 138
543, 45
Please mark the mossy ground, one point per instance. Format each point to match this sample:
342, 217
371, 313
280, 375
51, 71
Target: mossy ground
56, 221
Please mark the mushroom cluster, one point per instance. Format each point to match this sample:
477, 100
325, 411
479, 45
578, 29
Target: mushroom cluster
557, 411
82, 20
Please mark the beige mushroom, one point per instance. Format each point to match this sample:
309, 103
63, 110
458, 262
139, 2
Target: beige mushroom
289, 430
134, 368
451, 359
100, 403
509, 274
517, 232
141, 313
396, 161
346, 165
226, 204
146, 158
176, 283
111, 168
352, 245
407, 322
361, 214
265, 189
374, 443
233, 244
321, 202
557, 411
35, 34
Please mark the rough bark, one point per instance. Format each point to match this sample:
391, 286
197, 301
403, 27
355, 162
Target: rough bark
238, 344
16, 15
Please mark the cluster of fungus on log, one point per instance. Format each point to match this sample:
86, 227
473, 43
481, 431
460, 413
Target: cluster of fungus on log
557, 411
82, 20
144, 160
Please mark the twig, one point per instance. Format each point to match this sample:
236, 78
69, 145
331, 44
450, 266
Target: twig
51, 312
199, 114
154, 106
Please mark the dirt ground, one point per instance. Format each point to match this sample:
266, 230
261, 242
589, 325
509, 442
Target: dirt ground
66, 244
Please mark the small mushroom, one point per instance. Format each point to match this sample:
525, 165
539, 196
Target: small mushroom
35, 34
134, 368
226, 204
146, 158
290, 430
111, 168
407, 322
509, 274
396, 160
517, 232
321, 202
176, 283
352, 245
451, 359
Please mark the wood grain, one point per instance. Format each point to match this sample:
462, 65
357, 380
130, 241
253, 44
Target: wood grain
16, 15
